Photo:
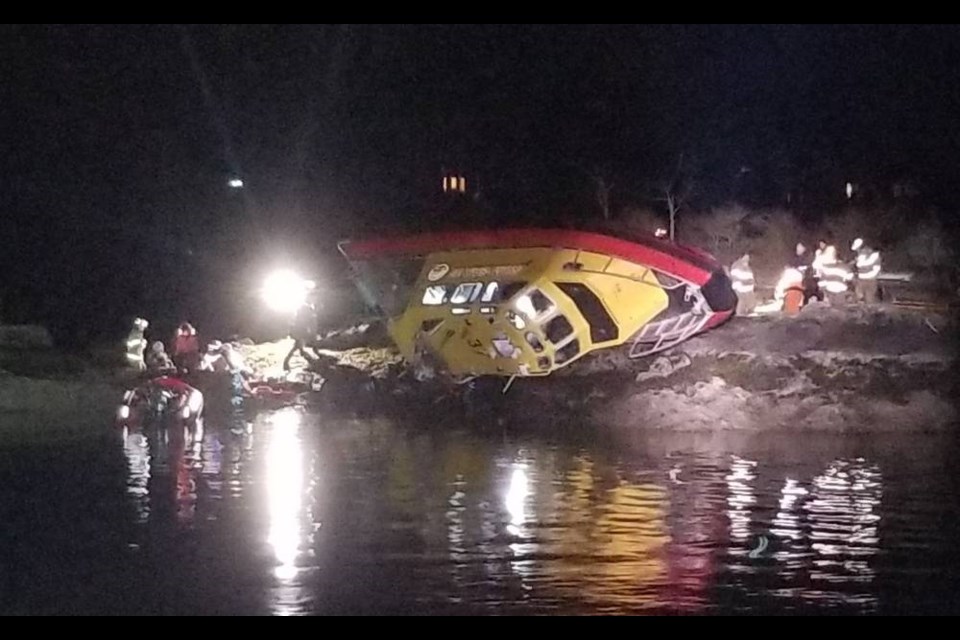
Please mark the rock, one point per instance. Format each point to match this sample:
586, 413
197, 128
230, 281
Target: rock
665, 366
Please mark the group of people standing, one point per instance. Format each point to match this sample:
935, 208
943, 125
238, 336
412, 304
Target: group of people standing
825, 277
184, 358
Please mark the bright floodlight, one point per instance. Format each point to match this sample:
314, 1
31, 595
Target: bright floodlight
284, 291
236, 183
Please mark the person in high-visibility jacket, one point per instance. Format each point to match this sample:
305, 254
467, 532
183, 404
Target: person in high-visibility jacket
790, 290
136, 344
868, 269
835, 277
743, 285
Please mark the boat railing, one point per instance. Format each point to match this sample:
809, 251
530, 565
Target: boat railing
662, 335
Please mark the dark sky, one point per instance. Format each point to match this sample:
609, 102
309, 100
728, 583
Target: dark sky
120, 139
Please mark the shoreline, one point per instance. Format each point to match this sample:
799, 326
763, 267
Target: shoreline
838, 371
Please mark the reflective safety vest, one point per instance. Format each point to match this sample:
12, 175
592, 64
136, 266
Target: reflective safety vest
834, 277
868, 264
135, 346
818, 263
742, 276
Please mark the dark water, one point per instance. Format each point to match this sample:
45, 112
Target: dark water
308, 515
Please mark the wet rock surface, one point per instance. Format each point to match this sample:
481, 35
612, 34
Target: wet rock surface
828, 369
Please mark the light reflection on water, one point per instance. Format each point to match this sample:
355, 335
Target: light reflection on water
285, 475
440, 522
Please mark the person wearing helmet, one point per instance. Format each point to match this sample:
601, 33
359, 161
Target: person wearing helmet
835, 276
136, 344
157, 360
868, 269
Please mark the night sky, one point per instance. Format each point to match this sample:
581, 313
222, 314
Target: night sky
120, 140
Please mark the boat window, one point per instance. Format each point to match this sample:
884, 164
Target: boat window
557, 329
428, 326
567, 352
540, 302
466, 292
602, 326
534, 304
543, 362
489, 292
472, 292
435, 294
534, 342
511, 289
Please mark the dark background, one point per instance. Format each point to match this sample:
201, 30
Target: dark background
119, 142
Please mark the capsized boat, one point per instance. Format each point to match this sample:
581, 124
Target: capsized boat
526, 302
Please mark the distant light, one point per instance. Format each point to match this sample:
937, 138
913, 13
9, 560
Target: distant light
455, 183
849, 191
124, 412
285, 291
236, 183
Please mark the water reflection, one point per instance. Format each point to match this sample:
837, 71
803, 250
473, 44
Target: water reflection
137, 451
842, 511
740, 499
456, 520
285, 488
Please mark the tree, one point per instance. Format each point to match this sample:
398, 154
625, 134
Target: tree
604, 187
675, 190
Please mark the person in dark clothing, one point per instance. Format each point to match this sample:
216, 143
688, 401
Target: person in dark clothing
304, 334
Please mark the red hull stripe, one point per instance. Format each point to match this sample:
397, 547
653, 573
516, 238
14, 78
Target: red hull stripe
676, 260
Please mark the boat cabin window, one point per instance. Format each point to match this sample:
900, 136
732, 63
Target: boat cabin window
489, 292
567, 352
435, 294
558, 329
602, 326
534, 304
511, 289
471, 292
534, 342
466, 293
